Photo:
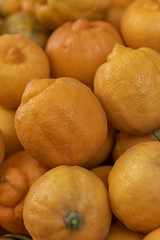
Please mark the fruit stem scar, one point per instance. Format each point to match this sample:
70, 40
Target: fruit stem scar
74, 220
156, 134
17, 236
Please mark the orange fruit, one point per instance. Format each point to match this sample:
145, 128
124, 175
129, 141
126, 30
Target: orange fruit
83, 44
17, 174
69, 123
27, 25
105, 150
54, 13
129, 90
123, 141
133, 187
119, 232
137, 33
102, 172
8, 7
11, 141
20, 59
153, 235
2, 147
115, 11
67, 202
28, 6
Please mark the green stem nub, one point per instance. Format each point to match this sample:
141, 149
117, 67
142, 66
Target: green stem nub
156, 134
74, 220
16, 236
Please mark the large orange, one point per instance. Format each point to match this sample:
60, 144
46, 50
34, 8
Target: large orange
134, 187
20, 59
67, 202
77, 49
69, 123
129, 90
144, 30
17, 174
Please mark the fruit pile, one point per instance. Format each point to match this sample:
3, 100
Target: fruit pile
79, 119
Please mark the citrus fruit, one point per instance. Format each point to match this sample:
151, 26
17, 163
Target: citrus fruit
83, 44
102, 172
144, 30
27, 25
66, 129
153, 235
67, 202
115, 11
21, 59
11, 141
105, 150
133, 187
54, 13
17, 174
129, 90
119, 232
123, 141
2, 147
8, 7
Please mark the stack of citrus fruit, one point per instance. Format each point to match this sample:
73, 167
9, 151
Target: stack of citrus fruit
79, 119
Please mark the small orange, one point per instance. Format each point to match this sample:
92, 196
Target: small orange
67, 202
2, 147
21, 59
17, 174
12, 143
123, 141
133, 187
83, 44
105, 150
115, 11
153, 235
70, 125
137, 33
102, 172
119, 232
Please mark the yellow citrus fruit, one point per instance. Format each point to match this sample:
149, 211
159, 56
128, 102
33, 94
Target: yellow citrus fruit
105, 150
2, 147
123, 141
119, 232
20, 59
129, 90
27, 25
102, 172
144, 30
83, 44
12, 143
8, 7
69, 123
17, 174
153, 235
67, 202
54, 13
115, 11
133, 187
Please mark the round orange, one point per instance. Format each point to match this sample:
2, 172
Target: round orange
83, 44
69, 123
67, 202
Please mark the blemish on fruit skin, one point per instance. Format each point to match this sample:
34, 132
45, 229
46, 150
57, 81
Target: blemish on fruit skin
73, 83
91, 146
66, 145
